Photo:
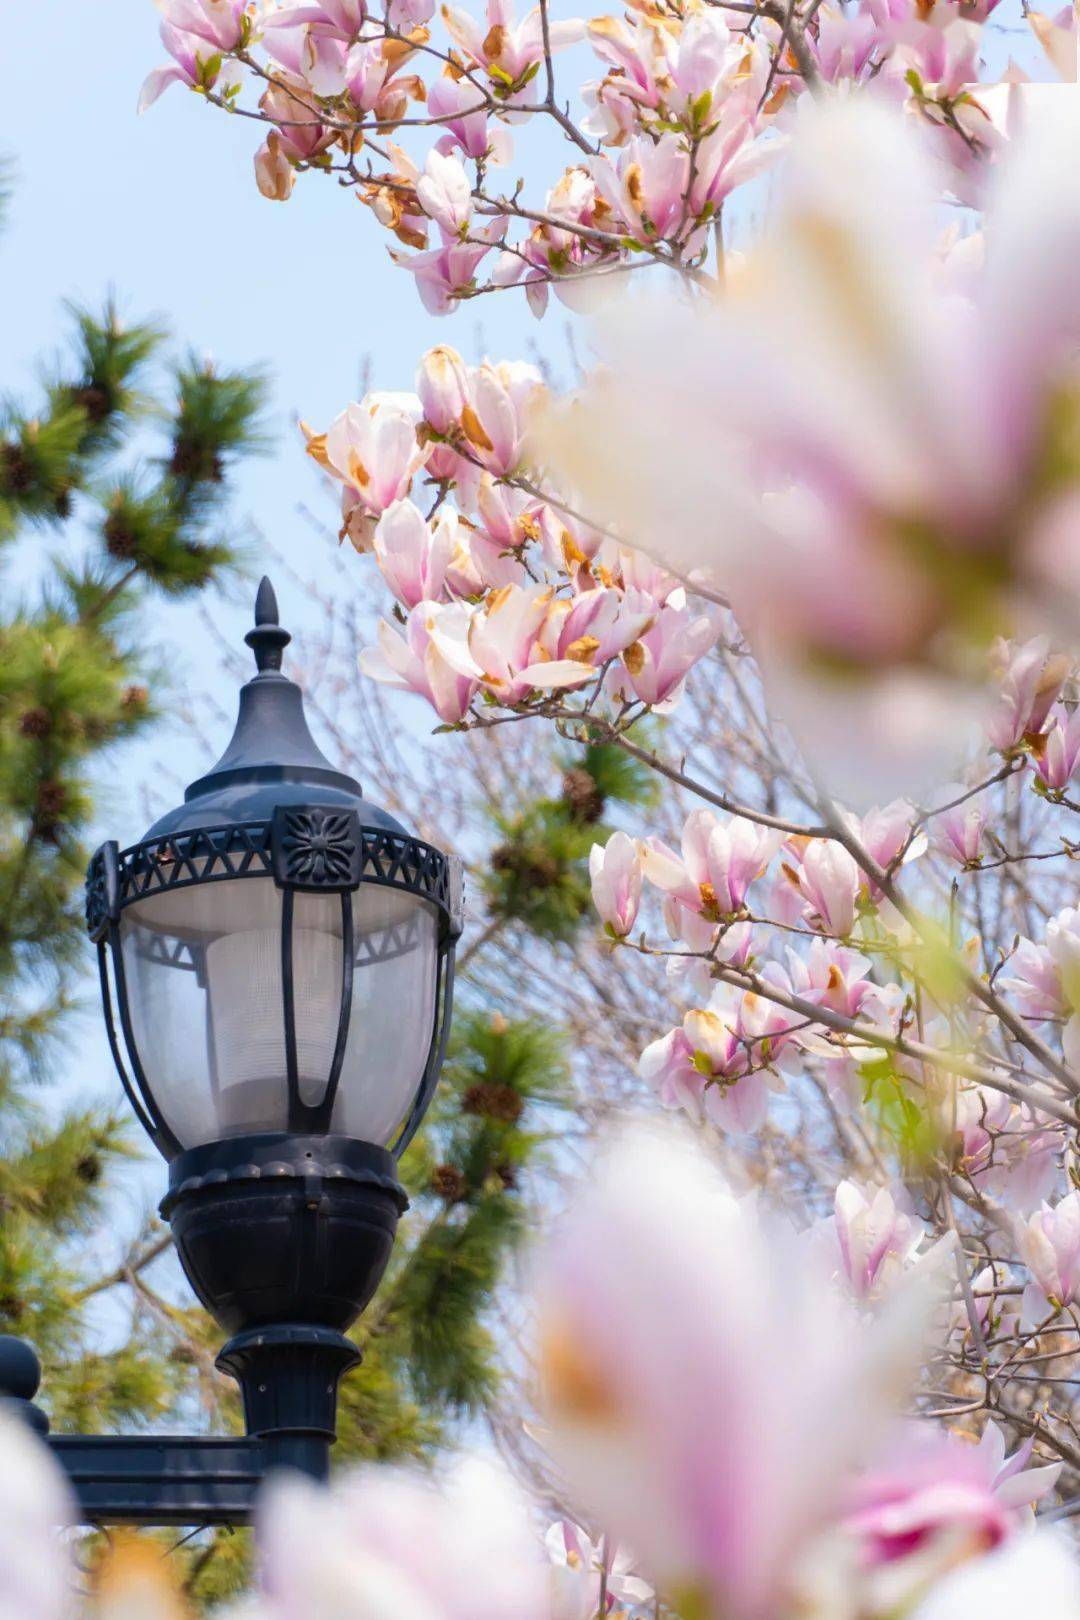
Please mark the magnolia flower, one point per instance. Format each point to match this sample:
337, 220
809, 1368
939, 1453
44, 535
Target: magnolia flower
1056, 751
219, 22
658, 663
708, 1398
582, 1567
615, 874
1035, 982
829, 881
444, 193
300, 137
938, 1499
274, 174
442, 384
195, 62
876, 1238
446, 273
1049, 1245
667, 1066
1063, 945
887, 835
719, 861
413, 555
505, 50
836, 977
372, 447
592, 628
461, 109
388, 1544
500, 399
416, 661
1031, 680
646, 187
980, 1115
958, 830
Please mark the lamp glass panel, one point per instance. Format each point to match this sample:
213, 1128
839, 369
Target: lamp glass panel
203, 970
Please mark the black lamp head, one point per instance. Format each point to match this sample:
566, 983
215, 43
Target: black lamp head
276, 961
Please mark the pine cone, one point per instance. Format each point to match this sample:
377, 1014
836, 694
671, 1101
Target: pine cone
581, 795
37, 722
16, 473
120, 542
448, 1183
491, 1101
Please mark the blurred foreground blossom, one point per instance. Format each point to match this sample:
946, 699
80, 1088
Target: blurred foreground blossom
708, 1395
1036, 1574
35, 1577
882, 471
388, 1544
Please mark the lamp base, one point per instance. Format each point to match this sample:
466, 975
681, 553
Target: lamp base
276, 1229
288, 1374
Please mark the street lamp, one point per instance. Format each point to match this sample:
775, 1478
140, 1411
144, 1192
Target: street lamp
276, 963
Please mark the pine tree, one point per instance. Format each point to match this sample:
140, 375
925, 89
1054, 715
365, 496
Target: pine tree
112, 495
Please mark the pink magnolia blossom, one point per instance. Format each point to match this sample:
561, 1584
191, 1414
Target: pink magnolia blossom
442, 384
413, 555
876, 1236
1031, 679
444, 193
829, 881
300, 136
274, 174
447, 273
1049, 1244
937, 1489
719, 861
1057, 750
658, 663
337, 19
503, 646
416, 662
958, 831
508, 52
408, 14
589, 630
500, 399
722, 1345
837, 977
981, 1115
383, 1542
646, 187
460, 108
195, 62
372, 447
1035, 982
667, 1067
615, 875
1063, 944
582, 1567
220, 23
887, 834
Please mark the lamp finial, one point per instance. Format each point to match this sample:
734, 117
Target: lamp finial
267, 640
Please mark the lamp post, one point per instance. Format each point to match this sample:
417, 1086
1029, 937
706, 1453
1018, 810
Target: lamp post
276, 962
